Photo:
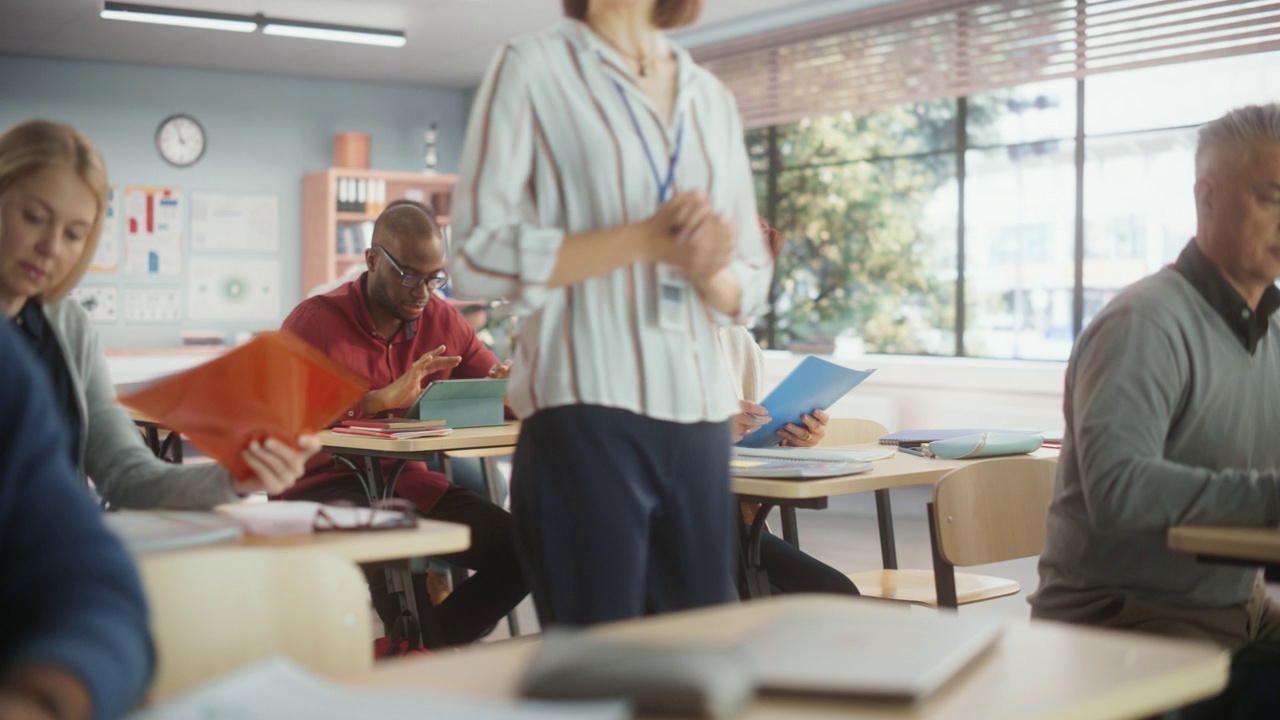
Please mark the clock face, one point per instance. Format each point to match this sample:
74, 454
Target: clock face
180, 140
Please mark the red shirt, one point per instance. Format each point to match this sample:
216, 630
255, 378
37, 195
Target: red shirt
339, 325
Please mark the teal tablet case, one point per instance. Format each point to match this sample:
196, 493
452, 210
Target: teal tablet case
463, 403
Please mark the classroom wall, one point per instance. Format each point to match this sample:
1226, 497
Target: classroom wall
264, 132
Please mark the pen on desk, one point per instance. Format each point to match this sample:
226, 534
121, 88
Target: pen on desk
918, 451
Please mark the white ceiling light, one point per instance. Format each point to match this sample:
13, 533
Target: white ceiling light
250, 23
184, 18
336, 33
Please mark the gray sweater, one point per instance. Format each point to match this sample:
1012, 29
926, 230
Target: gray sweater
125, 472
1169, 420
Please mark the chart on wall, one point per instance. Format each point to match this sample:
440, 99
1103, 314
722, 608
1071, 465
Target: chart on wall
234, 223
153, 230
235, 289
106, 257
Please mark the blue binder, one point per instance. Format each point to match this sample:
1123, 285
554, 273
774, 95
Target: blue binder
814, 383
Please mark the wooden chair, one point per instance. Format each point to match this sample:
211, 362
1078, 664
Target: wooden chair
217, 609
852, 431
986, 512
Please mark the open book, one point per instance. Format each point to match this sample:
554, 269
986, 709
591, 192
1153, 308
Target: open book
800, 463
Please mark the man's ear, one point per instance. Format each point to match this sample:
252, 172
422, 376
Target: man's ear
1204, 196
369, 258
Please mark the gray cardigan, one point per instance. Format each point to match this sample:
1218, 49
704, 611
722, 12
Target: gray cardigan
113, 455
1170, 421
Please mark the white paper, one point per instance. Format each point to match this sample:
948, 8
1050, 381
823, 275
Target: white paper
235, 289
152, 231
280, 688
106, 257
299, 517
235, 223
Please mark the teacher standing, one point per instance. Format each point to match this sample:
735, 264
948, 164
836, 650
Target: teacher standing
605, 187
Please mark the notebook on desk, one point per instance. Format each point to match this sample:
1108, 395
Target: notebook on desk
915, 438
901, 656
798, 463
144, 531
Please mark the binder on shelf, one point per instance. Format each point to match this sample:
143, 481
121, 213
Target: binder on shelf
813, 384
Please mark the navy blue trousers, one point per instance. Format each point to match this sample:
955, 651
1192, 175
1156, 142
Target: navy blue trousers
618, 515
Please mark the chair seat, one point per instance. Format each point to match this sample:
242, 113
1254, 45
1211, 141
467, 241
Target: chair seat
916, 586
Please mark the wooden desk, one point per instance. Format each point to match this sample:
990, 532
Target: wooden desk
361, 453
431, 537
901, 470
1253, 545
1036, 671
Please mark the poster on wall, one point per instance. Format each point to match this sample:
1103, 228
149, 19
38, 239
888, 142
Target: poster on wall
235, 289
153, 230
106, 257
234, 223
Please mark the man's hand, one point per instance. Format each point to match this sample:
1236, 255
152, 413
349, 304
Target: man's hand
815, 428
276, 466
752, 417
407, 388
501, 370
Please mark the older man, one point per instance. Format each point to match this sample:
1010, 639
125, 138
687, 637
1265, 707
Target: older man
389, 327
1172, 402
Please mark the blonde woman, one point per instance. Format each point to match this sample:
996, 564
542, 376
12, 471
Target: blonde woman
53, 191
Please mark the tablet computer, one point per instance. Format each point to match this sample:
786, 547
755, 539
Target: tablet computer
463, 403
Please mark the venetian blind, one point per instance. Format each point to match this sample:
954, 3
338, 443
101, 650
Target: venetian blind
915, 50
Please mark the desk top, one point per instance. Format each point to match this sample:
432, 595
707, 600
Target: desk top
898, 471
430, 538
459, 439
1260, 544
1039, 670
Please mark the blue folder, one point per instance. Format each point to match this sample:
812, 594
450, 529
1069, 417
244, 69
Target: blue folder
814, 383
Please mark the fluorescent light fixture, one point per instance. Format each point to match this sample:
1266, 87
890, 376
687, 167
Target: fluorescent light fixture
174, 16
336, 33
251, 23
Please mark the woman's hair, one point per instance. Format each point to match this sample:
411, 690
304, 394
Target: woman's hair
30, 147
667, 14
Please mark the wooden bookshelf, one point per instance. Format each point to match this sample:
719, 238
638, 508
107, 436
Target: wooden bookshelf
322, 260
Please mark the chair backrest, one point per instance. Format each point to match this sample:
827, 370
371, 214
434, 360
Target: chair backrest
852, 431
993, 510
217, 609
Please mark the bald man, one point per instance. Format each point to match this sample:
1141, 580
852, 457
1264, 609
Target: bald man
389, 328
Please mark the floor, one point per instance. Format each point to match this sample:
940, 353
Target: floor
846, 537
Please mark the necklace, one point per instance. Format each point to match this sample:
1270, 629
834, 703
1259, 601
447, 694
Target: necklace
639, 57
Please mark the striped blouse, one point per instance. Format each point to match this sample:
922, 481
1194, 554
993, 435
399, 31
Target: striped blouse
557, 145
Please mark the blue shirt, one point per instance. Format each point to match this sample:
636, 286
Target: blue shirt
48, 351
69, 594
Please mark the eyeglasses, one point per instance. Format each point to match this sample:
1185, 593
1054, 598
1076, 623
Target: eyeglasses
434, 281
393, 514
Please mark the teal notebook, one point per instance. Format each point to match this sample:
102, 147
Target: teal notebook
463, 403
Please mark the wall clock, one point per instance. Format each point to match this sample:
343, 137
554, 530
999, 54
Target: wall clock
180, 140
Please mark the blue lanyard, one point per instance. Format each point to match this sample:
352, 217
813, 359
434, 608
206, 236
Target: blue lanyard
664, 186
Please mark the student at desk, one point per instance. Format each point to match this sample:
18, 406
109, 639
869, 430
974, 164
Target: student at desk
388, 327
53, 191
1172, 396
74, 642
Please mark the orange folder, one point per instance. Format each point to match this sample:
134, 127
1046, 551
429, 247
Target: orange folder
275, 385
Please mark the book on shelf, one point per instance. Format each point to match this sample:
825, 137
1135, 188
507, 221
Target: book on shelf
393, 423
392, 433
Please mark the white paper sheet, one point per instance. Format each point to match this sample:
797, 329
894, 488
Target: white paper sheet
235, 223
235, 289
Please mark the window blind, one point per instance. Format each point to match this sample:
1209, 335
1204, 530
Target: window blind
917, 50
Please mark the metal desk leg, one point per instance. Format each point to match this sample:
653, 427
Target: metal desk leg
755, 578
489, 472
888, 547
171, 448
790, 530
152, 435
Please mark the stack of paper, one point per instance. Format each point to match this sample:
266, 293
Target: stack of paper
798, 462
298, 517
